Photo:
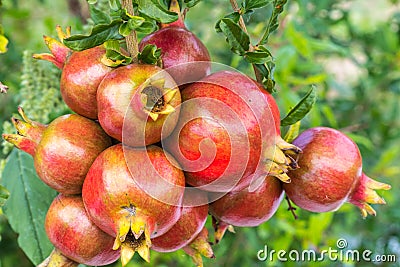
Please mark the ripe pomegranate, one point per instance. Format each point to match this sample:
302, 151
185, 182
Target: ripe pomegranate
133, 194
179, 46
245, 208
189, 225
330, 174
75, 236
82, 72
227, 134
63, 151
199, 247
136, 102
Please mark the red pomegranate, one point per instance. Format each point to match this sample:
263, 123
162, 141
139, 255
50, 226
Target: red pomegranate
133, 194
330, 174
136, 102
63, 151
82, 72
245, 208
179, 49
227, 134
189, 225
75, 236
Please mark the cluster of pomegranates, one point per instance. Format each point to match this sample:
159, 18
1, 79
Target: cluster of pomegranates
150, 152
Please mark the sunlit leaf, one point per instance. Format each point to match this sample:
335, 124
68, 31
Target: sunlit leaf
299, 111
252, 4
100, 33
150, 54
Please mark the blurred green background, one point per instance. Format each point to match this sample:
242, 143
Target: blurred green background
350, 50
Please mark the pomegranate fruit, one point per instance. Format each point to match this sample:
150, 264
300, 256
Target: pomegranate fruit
227, 134
82, 72
63, 151
179, 49
133, 194
188, 226
330, 174
73, 234
199, 247
134, 103
245, 208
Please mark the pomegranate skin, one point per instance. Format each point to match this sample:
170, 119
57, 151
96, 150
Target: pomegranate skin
72, 232
63, 151
222, 115
244, 208
81, 75
330, 174
179, 46
189, 225
329, 168
114, 196
122, 112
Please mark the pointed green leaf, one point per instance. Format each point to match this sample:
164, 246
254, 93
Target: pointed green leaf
114, 56
100, 34
293, 132
235, 16
235, 36
155, 10
252, 4
27, 205
259, 56
273, 20
98, 16
4, 194
299, 111
191, 3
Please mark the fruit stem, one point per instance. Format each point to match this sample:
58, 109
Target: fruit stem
131, 39
174, 7
291, 208
235, 6
57, 259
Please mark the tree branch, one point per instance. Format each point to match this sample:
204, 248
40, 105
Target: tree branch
131, 39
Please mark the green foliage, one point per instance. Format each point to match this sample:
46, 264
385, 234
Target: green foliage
27, 205
301, 109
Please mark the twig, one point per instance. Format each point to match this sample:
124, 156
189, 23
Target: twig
291, 208
131, 39
235, 6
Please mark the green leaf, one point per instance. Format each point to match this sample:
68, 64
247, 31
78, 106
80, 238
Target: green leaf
235, 16
98, 16
155, 10
100, 34
273, 20
301, 109
114, 56
92, 2
27, 205
259, 56
292, 132
150, 54
252, 4
4, 194
114, 4
235, 36
191, 3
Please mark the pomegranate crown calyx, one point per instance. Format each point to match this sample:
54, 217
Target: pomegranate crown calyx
155, 98
59, 52
29, 133
365, 194
133, 236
